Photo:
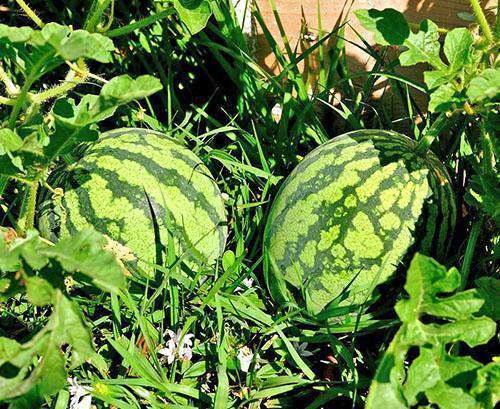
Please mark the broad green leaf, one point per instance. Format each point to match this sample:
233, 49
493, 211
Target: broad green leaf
14, 249
489, 289
56, 39
422, 374
9, 141
40, 360
423, 46
389, 26
486, 387
434, 373
444, 98
39, 291
449, 397
83, 253
124, 89
75, 122
485, 86
193, 13
15, 34
458, 48
434, 79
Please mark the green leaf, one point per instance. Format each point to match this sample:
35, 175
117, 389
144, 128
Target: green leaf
75, 122
444, 98
62, 41
124, 89
485, 86
489, 290
423, 46
9, 141
15, 34
458, 48
14, 249
38, 291
83, 253
486, 387
40, 362
389, 26
435, 373
449, 397
193, 13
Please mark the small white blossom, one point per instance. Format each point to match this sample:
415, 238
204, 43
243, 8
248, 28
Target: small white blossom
177, 347
301, 349
224, 196
276, 112
245, 356
80, 395
247, 282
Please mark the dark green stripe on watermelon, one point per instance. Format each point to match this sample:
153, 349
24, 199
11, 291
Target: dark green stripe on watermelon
128, 183
356, 205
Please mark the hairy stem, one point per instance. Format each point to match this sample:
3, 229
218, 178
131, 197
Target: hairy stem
31, 14
32, 195
71, 81
21, 98
10, 87
481, 19
95, 14
6, 101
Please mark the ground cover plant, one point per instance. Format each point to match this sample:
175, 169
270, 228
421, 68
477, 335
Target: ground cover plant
170, 236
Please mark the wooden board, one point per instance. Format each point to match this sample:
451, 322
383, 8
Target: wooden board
445, 13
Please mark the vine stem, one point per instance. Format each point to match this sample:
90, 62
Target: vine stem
10, 87
31, 14
25, 89
432, 133
32, 195
71, 81
481, 19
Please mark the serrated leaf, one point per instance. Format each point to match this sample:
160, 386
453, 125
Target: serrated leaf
423, 47
458, 48
485, 86
435, 373
193, 13
40, 360
83, 253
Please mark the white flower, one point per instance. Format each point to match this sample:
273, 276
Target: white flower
248, 282
276, 112
177, 347
80, 395
245, 356
224, 196
301, 349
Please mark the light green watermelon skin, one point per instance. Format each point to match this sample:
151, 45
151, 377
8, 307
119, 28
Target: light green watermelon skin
350, 211
125, 178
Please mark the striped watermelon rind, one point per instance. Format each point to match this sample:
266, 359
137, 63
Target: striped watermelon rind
350, 212
137, 186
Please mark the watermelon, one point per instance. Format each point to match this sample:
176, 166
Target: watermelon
137, 186
349, 213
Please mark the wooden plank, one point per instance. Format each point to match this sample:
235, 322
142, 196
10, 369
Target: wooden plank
292, 12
